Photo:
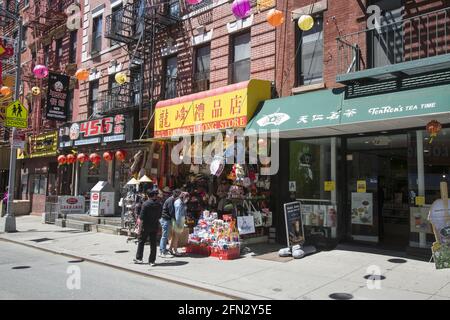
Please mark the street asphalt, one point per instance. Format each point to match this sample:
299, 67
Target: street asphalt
28, 273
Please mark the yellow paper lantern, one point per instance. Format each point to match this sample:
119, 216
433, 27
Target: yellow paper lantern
305, 22
5, 91
35, 91
120, 77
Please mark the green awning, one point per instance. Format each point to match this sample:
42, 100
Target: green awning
327, 109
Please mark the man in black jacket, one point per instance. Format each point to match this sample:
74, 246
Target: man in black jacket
150, 214
168, 214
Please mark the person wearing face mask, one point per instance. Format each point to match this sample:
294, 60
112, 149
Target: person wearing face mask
178, 223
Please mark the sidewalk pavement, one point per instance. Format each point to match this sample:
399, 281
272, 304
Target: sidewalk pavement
316, 276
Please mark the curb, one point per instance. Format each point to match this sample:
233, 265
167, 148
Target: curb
226, 293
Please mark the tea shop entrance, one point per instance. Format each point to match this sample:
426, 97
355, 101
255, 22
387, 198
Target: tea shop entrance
378, 198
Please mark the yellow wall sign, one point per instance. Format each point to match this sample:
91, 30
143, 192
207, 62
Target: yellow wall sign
16, 115
222, 108
361, 186
42, 145
330, 185
420, 200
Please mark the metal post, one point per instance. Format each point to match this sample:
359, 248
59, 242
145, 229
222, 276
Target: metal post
9, 223
421, 180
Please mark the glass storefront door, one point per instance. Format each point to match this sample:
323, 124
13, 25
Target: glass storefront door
377, 189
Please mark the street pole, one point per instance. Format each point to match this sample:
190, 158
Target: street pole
9, 223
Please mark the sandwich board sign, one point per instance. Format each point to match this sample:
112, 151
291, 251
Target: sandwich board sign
16, 115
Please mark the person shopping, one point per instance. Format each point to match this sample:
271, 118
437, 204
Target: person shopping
168, 214
149, 215
178, 224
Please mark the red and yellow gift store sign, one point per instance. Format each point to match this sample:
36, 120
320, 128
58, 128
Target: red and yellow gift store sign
227, 107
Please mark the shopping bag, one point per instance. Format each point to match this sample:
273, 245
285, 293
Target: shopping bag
138, 227
257, 216
246, 224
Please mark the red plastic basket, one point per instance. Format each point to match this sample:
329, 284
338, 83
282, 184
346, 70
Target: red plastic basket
230, 254
197, 249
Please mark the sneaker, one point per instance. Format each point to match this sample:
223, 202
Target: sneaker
166, 255
152, 264
137, 261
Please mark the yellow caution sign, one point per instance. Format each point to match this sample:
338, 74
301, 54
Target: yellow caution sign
16, 115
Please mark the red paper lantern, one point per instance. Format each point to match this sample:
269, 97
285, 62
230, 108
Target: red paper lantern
82, 158
62, 160
71, 158
108, 156
433, 128
95, 158
121, 155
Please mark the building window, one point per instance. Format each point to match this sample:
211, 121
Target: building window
116, 22
171, 78
73, 47
309, 58
70, 106
47, 55
385, 44
23, 45
93, 97
174, 8
202, 65
97, 34
136, 92
240, 65
58, 51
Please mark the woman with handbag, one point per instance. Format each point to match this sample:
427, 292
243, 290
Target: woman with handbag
178, 223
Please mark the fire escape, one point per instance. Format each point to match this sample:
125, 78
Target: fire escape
137, 25
46, 22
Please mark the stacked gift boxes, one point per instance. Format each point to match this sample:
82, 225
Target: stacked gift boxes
215, 237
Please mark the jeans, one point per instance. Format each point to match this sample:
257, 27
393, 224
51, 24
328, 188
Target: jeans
140, 249
165, 226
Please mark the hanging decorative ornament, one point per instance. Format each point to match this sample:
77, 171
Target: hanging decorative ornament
62, 160
108, 156
120, 77
35, 91
82, 158
95, 159
82, 74
241, 8
40, 71
5, 91
71, 159
121, 155
305, 22
192, 2
275, 17
433, 128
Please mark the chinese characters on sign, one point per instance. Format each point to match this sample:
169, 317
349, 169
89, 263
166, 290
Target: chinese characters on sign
106, 129
57, 96
334, 115
208, 111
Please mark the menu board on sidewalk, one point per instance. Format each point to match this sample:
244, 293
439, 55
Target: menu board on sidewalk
294, 223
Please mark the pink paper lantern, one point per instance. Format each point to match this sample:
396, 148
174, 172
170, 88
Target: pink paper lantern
192, 2
241, 8
40, 71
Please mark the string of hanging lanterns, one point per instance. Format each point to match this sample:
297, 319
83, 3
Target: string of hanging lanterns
242, 9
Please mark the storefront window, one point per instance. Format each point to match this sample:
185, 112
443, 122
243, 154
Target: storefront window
40, 184
312, 181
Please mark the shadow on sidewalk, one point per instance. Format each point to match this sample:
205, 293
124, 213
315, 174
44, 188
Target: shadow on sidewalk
169, 263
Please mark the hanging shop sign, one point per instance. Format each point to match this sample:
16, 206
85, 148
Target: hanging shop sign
227, 107
103, 130
362, 208
57, 96
294, 224
43, 145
